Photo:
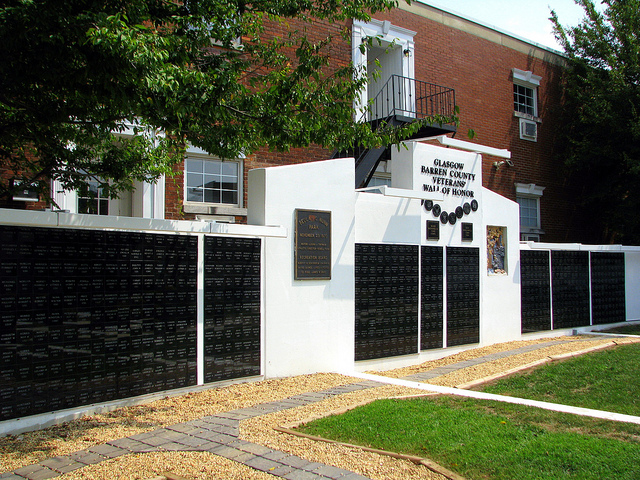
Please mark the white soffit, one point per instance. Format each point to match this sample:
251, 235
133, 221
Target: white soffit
473, 147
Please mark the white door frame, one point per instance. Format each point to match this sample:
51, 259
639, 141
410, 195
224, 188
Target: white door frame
387, 34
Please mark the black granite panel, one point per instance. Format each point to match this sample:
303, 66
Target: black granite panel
386, 278
463, 295
570, 288
432, 315
232, 308
78, 313
535, 291
608, 299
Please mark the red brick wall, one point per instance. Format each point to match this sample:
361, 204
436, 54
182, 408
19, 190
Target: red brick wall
174, 195
6, 174
480, 71
340, 55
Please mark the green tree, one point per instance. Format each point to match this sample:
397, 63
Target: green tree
601, 110
73, 73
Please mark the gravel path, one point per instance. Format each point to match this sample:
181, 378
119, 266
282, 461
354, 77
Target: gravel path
30, 448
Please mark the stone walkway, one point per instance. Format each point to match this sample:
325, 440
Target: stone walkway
438, 372
219, 434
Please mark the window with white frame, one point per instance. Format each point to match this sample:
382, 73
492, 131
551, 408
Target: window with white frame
210, 180
378, 181
525, 93
92, 200
382, 175
528, 197
529, 212
524, 99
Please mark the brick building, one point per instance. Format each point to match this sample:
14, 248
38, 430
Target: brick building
507, 90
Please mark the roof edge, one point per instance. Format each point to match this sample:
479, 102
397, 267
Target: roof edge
483, 30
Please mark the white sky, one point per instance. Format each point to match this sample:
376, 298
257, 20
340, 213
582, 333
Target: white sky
528, 19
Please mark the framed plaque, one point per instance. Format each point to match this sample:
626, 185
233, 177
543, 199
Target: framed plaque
433, 230
467, 232
312, 255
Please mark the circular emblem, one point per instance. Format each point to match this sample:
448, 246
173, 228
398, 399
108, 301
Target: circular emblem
459, 212
428, 205
466, 208
436, 210
474, 205
452, 218
444, 217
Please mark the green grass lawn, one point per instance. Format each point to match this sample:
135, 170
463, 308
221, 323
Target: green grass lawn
605, 380
493, 440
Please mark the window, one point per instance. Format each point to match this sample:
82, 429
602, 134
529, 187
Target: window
529, 212
379, 181
524, 99
382, 175
525, 94
528, 197
91, 200
211, 181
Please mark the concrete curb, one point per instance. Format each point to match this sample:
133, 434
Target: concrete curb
551, 358
431, 465
527, 366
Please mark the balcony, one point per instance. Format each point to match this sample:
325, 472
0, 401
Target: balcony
399, 101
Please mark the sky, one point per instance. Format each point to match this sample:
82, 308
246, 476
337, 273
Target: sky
528, 19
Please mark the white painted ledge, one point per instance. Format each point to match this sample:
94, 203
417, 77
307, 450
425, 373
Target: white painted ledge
73, 220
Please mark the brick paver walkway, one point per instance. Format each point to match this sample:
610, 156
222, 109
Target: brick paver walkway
218, 434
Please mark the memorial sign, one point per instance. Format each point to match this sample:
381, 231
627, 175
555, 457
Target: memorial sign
433, 230
312, 245
467, 232
448, 181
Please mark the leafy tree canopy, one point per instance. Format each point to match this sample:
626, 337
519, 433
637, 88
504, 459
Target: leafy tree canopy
75, 74
601, 125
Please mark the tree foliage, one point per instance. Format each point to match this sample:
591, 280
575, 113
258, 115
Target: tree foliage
601, 127
75, 74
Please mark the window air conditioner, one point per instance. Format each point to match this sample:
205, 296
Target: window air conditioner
529, 237
528, 130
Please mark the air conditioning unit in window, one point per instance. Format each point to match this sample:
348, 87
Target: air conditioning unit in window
530, 237
528, 130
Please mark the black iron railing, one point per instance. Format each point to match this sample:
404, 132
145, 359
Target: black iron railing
399, 101
408, 97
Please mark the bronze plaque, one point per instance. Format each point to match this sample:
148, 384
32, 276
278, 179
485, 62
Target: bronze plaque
467, 231
433, 230
313, 245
